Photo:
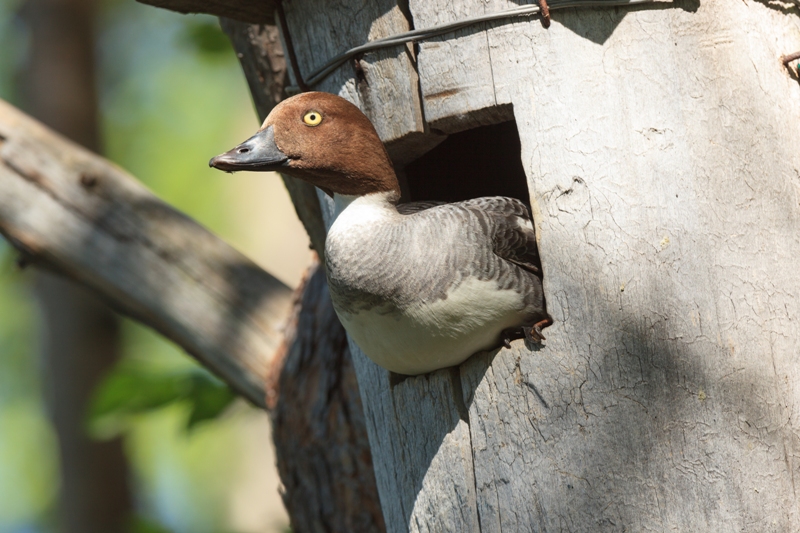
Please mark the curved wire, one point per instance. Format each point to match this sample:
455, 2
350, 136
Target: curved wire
420, 35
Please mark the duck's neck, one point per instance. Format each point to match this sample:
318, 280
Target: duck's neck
385, 199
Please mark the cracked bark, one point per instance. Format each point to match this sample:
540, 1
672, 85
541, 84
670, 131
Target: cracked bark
318, 423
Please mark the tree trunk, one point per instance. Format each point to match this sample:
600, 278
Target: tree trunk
80, 337
659, 144
318, 423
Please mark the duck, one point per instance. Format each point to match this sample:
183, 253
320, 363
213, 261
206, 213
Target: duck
418, 286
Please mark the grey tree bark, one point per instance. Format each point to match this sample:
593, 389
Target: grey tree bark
80, 337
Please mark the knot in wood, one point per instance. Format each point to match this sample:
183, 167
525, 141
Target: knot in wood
88, 181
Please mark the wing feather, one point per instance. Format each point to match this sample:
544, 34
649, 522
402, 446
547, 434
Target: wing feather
415, 207
513, 237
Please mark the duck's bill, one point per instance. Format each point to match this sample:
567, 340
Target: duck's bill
259, 152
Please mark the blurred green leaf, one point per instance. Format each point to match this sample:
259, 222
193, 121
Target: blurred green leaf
209, 398
142, 525
207, 38
133, 388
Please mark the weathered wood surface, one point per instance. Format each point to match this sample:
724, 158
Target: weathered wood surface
664, 396
660, 145
318, 424
74, 212
260, 12
671, 375
456, 79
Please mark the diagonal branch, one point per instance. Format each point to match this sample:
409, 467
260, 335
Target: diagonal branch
262, 12
74, 212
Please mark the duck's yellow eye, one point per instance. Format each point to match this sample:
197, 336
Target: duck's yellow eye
312, 118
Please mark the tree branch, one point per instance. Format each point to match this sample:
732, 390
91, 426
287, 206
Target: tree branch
261, 12
74, 212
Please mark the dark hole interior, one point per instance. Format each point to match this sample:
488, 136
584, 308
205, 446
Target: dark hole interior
479, 162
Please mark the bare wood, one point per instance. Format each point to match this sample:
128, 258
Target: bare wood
456, 69
459, 83
70, 210
657, 370
261, 12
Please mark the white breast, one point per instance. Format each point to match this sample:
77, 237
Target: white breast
435, 335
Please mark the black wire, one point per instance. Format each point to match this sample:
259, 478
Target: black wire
420, 35
287, 37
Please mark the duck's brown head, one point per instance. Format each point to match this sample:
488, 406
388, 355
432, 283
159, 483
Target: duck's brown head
321, 138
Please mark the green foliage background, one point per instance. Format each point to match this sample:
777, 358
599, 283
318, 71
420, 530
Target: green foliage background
172, 95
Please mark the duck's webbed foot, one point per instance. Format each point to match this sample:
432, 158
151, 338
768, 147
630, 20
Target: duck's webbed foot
511, 334
534, 332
